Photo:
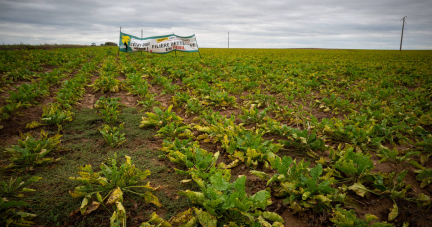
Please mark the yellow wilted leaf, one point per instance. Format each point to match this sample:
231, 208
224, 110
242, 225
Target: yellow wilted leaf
233, 164
182, 217
27, 190
238, 154
99, 197
198, 181
128, 160
155, 219
252, 153
195, 197
272, 216
93, 206
201, 137
84, 205
425, 199
144, 174
77, 194
393, 212
116, 195
120, 208
359, 189
296, 207
277, 224
150, 198
192, 222
33, 124
113, 219
323, 199
205, 218
102, 180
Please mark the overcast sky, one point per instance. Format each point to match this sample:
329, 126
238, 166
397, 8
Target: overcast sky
359, 24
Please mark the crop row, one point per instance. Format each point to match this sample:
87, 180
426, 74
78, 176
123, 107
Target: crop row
340, 111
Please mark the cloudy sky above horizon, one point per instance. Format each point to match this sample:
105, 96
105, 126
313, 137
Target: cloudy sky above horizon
252, 24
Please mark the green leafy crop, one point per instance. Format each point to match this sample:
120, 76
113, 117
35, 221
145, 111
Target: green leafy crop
344, 218
227, 202
54, 114
175, 130
253, 115
113, 135
425, 176
31, 152
220, 99
303, 188
251, 148
106, 83
160, 118
12, 212
107, 187
349, 163
200, 164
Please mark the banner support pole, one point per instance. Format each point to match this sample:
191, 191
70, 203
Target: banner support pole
198, 46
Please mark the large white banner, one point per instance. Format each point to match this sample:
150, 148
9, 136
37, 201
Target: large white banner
158, 44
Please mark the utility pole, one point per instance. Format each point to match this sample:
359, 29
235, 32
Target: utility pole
228, 40
403, 23
141, 38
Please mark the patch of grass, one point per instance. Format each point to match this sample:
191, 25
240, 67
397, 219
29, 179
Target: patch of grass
131, 119
85, 125
52, 203
173, 206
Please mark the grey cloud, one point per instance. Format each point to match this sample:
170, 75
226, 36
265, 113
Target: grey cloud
273, 24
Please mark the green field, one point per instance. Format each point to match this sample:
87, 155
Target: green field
238, 137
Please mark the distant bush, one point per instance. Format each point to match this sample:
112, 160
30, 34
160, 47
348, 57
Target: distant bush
110, 44
45, 46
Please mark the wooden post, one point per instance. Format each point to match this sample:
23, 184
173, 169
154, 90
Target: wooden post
403, 23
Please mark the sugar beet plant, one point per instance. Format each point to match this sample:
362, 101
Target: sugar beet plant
107, 81
345, 218
107, 187
54, 114
300, 186
200, 164
249, 147
109, 109
13, 213
113, 135
227, 203
175, 130
224, 203
219, 99
160, 118
31, 152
